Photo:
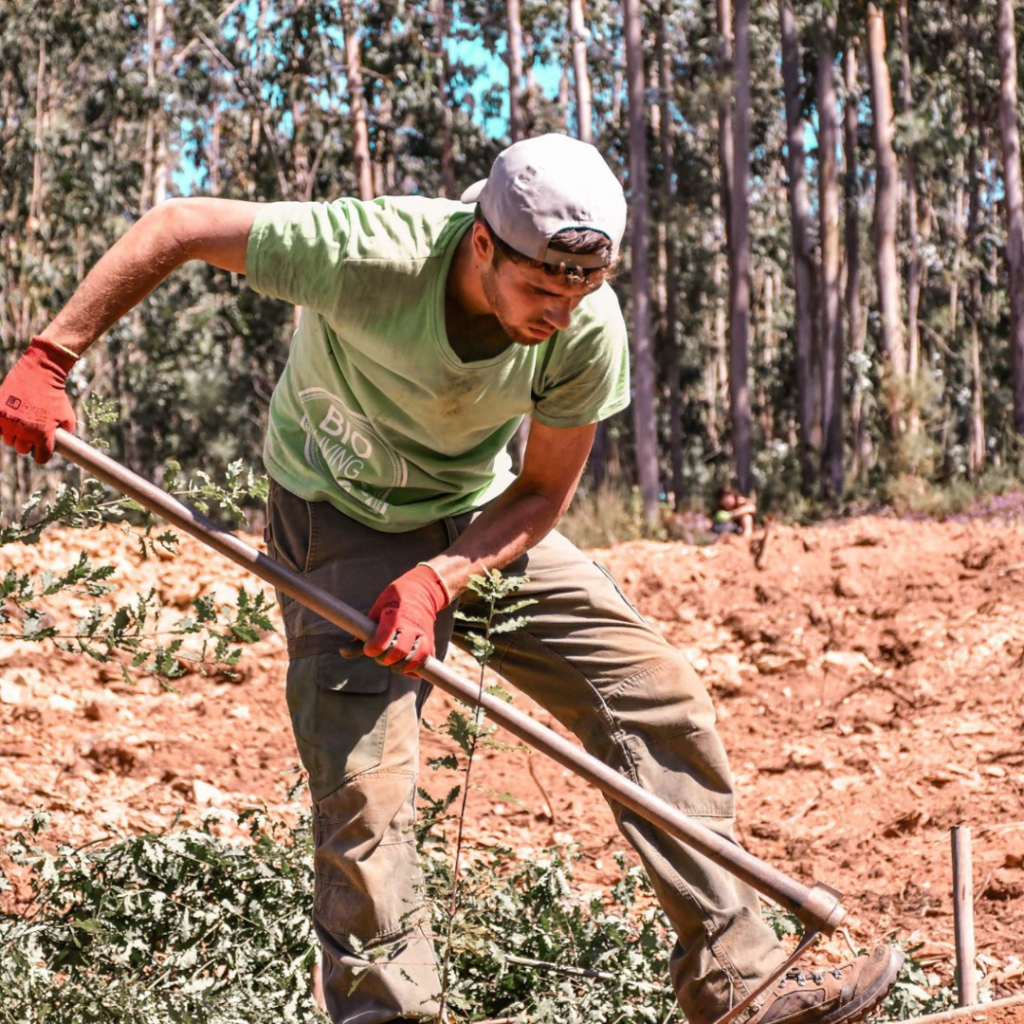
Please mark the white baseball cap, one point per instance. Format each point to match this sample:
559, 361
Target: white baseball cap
544, 185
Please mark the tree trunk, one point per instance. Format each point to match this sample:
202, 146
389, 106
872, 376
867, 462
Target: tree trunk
886, 211
718, 374
739, 256
585, 133
581, 73
913, 241
726, 139
644, 424
854, 314
356, 101
668, 205
515, 71
803, 259
1010, 136
976, 450
439, 16
831, 315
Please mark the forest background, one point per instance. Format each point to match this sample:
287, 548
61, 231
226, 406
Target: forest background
822, 262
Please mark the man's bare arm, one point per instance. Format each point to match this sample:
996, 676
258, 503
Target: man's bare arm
214, 230
528, 510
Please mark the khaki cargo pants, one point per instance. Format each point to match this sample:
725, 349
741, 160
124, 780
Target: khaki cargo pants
589, 659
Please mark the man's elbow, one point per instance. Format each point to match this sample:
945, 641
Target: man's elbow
173, 223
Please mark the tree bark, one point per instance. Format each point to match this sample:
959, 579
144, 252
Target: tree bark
886, 211
668, 205
581, 73
831, 318
913, 240
739, 256
585, 133
803, 259
1010, 137
515, 71
726, 140
644, 425
976, 450
154, 160
439, 16
851, 198
356, 101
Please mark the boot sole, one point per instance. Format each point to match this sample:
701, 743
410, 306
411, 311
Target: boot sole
870, 999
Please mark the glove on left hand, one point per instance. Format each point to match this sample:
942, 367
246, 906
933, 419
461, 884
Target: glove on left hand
405, 614
33, 402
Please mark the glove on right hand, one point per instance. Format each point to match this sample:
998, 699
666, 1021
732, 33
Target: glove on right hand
33, 402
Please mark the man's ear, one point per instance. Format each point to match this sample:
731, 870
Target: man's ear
483, 244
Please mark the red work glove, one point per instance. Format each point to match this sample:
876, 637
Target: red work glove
405, 614
33, 402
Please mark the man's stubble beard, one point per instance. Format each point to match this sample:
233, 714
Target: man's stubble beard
499, 309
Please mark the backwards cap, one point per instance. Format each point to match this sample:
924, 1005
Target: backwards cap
544, 185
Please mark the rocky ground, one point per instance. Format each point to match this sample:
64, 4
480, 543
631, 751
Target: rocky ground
868, 677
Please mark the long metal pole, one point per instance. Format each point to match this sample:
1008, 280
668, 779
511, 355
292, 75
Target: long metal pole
817, 907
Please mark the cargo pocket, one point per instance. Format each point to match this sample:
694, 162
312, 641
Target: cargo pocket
339, 712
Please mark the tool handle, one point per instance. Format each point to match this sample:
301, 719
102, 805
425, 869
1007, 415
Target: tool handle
818, 907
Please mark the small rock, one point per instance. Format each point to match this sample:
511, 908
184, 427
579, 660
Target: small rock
109, 673
95, 712
844, 586
59, 703
774, 664
12, 692
848, 662
723, 673
111, 757
206, 795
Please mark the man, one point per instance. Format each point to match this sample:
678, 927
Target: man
429, 328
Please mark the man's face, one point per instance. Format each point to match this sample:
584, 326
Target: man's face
530, 304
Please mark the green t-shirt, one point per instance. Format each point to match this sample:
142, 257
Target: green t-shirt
374, 411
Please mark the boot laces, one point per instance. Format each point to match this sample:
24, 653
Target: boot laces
797, 975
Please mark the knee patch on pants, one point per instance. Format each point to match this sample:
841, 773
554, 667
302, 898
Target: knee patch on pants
368, 882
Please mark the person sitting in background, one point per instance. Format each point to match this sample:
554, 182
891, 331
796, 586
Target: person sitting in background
735, 513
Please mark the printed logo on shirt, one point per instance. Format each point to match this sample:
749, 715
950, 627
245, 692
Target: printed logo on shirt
344, 446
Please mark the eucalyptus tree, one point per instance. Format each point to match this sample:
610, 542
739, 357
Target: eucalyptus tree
643, 335
739, 254
1009, 134
514, 56
803, 257
356, 100
913, 241
852, 301
886, 211
831, 306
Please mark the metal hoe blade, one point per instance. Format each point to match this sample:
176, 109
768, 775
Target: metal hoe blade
818, 906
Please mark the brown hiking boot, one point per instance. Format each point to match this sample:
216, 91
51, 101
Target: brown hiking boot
831, 995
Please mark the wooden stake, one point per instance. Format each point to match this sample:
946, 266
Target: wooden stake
963, 916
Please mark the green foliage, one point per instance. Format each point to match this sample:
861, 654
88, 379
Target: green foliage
184, 927
134, 635
913, 995
527, 943
179, 927
494, 589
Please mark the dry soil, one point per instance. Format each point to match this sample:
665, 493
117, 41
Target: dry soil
867, 677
